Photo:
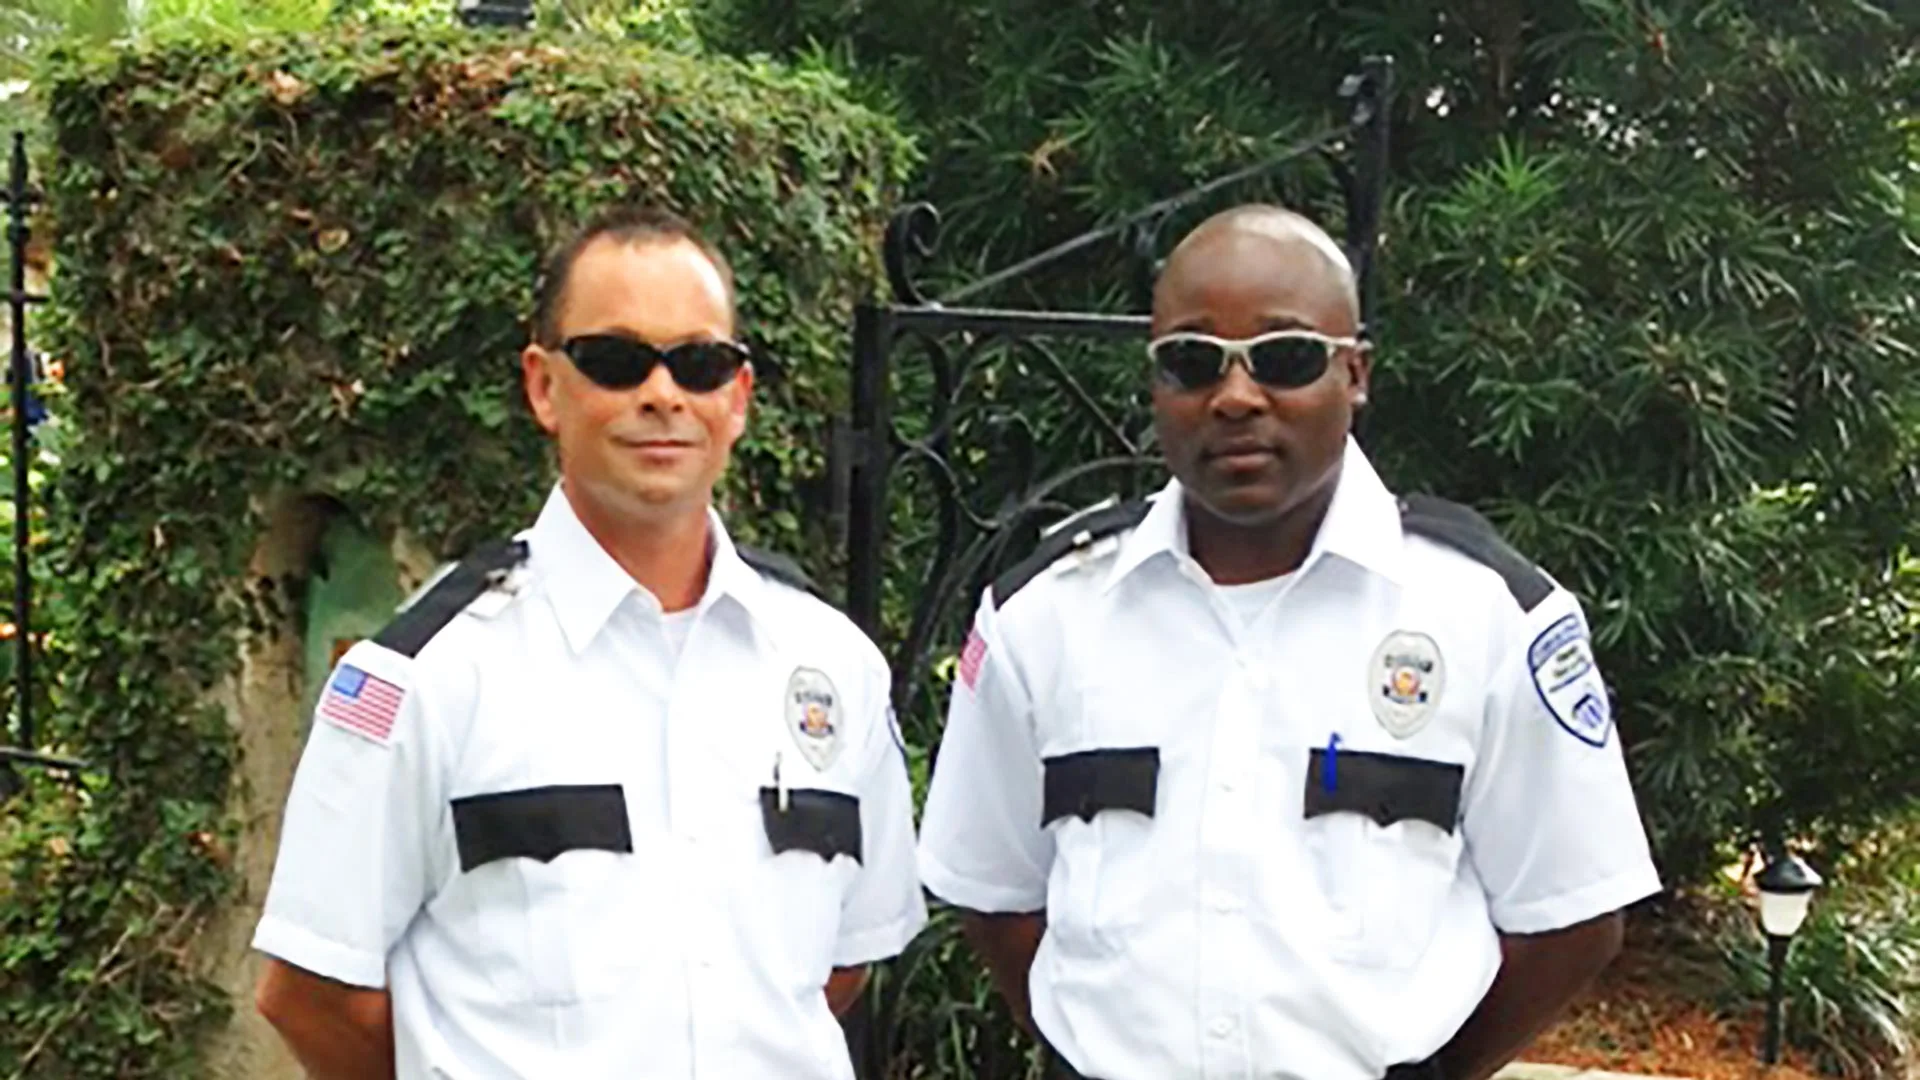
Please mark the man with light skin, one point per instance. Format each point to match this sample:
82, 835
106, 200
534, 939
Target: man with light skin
616, 798
1277, 775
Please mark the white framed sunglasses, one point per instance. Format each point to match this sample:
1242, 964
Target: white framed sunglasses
1280, 359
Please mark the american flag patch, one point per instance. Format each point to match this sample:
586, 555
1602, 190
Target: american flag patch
363, 704
971, 657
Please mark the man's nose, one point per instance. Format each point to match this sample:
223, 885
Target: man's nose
1237, 395
658, 392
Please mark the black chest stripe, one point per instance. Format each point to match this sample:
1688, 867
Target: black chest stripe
541, 823
826, 823
1387, 788
1084, 784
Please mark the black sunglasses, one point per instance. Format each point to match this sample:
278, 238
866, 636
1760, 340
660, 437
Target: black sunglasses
617, 362
1283, 359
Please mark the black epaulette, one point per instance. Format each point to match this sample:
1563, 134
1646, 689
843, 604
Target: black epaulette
410, 631
778, 567
1464, 530
1072, 534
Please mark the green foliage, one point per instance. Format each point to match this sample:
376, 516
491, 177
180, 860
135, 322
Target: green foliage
940, 1018
1851, 981
393, 12
662, 22
28, 28
1647, 296
301, 265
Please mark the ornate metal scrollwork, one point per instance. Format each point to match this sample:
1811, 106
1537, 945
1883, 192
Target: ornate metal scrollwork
913, 236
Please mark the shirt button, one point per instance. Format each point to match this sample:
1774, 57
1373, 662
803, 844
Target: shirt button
1226, 784
1222, 1027
1222, 902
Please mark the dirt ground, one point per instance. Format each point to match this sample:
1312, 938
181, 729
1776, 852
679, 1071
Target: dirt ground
1644, 1015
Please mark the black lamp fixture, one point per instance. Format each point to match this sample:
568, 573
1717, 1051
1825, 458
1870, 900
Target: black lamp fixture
1786, 886
514, 14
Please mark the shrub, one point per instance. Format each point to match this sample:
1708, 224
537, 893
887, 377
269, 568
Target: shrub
1851, 982
302, 264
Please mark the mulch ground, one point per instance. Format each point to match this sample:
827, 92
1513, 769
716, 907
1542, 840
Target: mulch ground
1646, 1015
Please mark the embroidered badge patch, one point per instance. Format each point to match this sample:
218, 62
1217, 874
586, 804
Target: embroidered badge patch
1568, 682
1405, 679
813, 716
364, 704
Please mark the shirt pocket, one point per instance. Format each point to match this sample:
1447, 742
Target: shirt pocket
551, 875
1099, 805
812, 846
1383, 832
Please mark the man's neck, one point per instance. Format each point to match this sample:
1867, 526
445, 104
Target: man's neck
1236, 554
669, 555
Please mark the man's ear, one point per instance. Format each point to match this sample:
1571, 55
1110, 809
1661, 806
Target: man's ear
1359, 361
738, 394
538, 375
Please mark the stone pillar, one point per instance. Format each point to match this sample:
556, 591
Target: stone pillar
330, 584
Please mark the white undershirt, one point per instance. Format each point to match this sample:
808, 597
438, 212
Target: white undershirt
1251, 600
675, 625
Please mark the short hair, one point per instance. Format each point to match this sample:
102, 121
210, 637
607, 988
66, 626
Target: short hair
623, 224
1281, 223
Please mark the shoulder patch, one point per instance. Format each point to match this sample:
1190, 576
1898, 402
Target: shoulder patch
1075, 533
1464, 530
362, 703
770, 564
1568, 683
410, 631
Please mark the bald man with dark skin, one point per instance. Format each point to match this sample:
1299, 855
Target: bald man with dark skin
1259, 467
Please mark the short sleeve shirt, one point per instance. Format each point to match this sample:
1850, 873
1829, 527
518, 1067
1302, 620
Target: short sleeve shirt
1283, 845
572, 846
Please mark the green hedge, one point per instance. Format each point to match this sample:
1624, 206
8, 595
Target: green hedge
304, 265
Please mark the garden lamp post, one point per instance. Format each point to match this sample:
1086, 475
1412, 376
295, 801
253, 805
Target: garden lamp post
1786, 889
517, 14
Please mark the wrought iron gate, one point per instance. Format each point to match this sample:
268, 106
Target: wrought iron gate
18, 744
941, 467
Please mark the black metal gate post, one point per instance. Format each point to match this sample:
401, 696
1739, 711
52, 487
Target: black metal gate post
1370, 92
879, 442
869, 463
20, 199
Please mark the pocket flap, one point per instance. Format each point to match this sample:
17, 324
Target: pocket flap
1385, 787
1083, 784
826, 823
541, 823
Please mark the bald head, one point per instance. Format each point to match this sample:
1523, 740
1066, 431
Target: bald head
1259, 240
1259, 442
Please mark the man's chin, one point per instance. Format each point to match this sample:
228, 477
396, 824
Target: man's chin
655, 495
1245, 504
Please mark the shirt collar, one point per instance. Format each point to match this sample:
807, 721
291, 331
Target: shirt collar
585, 585
1362, 524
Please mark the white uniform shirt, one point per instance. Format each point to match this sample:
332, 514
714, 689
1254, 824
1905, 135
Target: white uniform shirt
1233, 934
699, 953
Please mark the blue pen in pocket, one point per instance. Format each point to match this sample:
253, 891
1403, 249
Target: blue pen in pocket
1329, 775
